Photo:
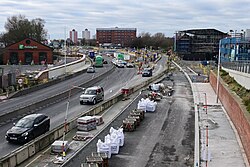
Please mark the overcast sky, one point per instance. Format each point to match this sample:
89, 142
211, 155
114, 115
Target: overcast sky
165, 16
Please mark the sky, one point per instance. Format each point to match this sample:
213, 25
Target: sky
147, 16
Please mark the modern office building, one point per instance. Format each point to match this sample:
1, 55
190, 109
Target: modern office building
198, 44
73, 36
236, 47
115, 36
26, 52
86, 34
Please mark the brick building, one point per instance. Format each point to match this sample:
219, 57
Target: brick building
73, 35
27, 51
115, 36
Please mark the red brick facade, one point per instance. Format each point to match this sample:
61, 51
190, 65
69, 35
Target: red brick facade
122, 36
28, 51
236, 111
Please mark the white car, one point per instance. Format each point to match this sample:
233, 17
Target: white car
130, 65
92, 95
91, 69
120, 65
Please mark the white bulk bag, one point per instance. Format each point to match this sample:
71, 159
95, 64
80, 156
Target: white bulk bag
103, 148
120, 136
142, 105
114, 144
151, 106
119, 133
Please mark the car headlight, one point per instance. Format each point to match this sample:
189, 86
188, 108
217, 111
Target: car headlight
25, 134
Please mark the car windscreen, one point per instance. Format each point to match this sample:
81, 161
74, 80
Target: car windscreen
90, 92
25, 123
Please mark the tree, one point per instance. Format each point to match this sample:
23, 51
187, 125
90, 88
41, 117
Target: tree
157, 41
18, 28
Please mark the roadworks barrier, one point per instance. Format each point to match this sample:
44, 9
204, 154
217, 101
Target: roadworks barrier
28, 150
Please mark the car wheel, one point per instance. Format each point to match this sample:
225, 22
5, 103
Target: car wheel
81, 102
31, 137
46, 129
94, 101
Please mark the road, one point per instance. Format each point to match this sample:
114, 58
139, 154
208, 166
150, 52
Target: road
164, 138
112, 85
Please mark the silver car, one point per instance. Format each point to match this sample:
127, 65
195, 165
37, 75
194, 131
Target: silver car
92, 95
91, 69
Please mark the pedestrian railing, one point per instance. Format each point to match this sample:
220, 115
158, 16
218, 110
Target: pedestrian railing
241, 66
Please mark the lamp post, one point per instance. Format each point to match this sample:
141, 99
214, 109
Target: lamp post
65, 55
218, 75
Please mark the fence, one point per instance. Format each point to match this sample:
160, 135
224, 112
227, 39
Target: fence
241, 66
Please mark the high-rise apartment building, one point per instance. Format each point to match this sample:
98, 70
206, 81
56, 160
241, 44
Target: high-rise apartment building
86, 34
73, 36
115, 36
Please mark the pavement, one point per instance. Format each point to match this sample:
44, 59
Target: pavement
220, 144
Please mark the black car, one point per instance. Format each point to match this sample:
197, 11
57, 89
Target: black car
105, 62
28, 128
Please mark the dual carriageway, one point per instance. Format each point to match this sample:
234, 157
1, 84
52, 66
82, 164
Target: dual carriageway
165, 138
112, 84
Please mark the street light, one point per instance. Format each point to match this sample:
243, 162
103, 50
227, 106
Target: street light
65, 56
218, 75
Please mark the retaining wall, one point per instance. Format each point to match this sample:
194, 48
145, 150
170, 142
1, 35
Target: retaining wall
236, 111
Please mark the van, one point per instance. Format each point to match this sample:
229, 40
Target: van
92, 95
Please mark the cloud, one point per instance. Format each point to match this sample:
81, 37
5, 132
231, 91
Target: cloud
166, 16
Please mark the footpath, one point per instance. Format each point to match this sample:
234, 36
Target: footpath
220, 145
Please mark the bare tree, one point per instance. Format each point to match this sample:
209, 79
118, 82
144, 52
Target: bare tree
18, 28
157, 41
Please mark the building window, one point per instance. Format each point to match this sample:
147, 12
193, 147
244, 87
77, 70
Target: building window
13, 58
28, 57
42, 58
27, 41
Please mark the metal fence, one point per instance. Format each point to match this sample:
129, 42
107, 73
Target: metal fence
242, 66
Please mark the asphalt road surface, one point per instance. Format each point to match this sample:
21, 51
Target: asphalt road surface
164, 138
112, 85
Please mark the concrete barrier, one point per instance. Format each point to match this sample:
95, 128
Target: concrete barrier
51, 100
47, 74
33, 147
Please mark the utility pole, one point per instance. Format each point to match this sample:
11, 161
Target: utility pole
218, 75
65, 56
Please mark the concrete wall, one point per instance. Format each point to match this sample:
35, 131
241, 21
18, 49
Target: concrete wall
70, 67
236, 111
242, 78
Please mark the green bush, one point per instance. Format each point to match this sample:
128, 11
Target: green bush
241, 91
